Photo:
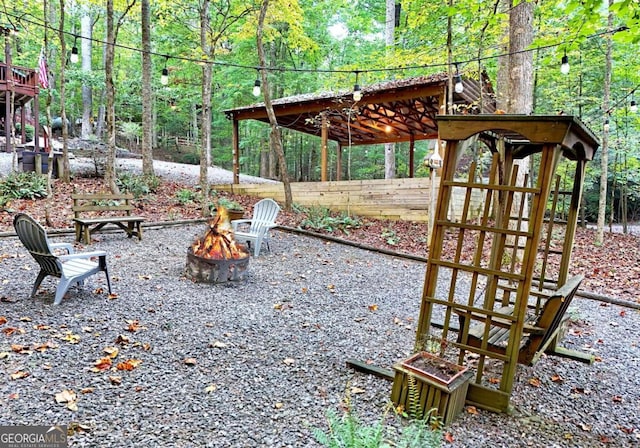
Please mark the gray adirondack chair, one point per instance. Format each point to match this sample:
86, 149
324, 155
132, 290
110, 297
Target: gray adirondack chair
255, 231
72, 268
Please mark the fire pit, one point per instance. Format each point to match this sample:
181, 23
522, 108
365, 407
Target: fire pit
217, 257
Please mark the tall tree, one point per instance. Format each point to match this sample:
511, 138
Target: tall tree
207, 74
113, 27
147, 100
604, 154
390, 32
86, 33
66, 170
276, 136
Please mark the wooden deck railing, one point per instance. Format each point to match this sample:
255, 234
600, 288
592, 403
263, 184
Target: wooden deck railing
21, 77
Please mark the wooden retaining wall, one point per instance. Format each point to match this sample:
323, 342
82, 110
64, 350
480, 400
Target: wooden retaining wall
395, 199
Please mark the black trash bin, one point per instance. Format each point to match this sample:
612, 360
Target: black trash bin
28, 159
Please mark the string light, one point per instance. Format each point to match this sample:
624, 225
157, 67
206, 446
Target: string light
564, 66
256, 85
357, 91
606, 126
633, 107
459, 87
74, 51
164, 78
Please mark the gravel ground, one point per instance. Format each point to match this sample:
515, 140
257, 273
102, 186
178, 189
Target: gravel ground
187, 174
259, 363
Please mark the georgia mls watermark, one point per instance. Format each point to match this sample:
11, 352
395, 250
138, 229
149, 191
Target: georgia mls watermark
33, 437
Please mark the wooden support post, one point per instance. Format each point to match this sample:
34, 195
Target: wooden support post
412, 148
324, 135
339, 163
236, 152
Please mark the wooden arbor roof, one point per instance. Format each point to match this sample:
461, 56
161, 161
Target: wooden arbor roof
393, 111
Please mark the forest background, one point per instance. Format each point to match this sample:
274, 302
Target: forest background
151, 73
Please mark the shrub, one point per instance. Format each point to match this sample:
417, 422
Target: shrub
138, 185
320, 219
28, 185
347, 431
185, 196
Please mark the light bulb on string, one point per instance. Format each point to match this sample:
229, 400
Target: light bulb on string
164, 78
458, 86
357, 91
256, 88
74, 51
633, 106
606, 126
564, 66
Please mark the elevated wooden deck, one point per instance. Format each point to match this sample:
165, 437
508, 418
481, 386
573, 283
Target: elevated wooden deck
20, 80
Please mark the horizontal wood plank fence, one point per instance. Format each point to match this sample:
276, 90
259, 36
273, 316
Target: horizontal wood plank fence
395, 199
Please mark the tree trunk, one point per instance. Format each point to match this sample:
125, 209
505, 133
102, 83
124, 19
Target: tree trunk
390, 28
66, 168
86, 32
520, 98
276, 137
147, 100
110, 164
604, 154
207, 74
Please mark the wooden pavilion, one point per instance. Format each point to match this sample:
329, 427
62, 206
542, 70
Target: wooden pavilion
393, 111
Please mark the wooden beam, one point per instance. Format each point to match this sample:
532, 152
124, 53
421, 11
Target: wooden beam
323, 152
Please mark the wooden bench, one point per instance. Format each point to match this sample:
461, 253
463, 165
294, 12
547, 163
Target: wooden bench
92, 212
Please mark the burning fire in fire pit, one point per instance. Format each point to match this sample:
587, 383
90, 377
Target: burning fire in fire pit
217, 257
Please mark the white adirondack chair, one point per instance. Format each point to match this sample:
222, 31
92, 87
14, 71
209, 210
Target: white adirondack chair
70, 269
255, 231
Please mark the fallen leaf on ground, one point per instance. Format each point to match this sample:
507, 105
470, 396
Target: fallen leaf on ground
3, 320
115, 380
289, 361
65, 396
19, 374
472, 410
129, 364
101, 364
373, 307
122, 340
557, 378
133, 326
210, 388
111, 351
190, 361
217, 344
357, 390
448, 437
535, 382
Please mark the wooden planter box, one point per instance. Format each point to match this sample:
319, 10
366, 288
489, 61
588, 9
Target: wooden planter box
439, 384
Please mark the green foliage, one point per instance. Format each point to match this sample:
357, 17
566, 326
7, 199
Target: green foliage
24, 186
390, 236
138, 185
28, 130
348, 431
186, 196
320, 219
229, 204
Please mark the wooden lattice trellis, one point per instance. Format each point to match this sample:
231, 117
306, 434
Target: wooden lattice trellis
501, 269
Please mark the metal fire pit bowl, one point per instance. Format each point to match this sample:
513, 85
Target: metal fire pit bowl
209, 270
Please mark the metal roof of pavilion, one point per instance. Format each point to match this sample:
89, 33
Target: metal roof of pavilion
391, 111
